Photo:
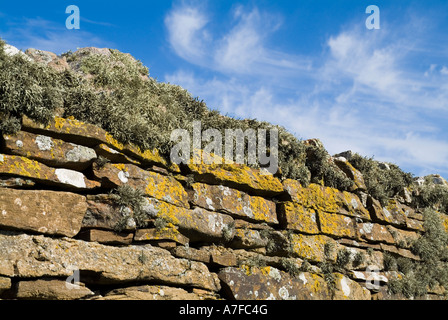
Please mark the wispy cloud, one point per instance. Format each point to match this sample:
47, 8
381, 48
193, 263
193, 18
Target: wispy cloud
365, 91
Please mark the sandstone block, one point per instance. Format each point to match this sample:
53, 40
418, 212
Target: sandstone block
326, 199
89, 135
168, 233
231, 201
269, 283
49, 151
153, 184
51, 289
30, 169
26, 256
338, 225
313, 247
196, 224
42, 211
297, 217
106, 237
148, 292
241, 177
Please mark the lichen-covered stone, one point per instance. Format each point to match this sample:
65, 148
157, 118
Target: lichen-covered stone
326, 199
338, 225
42, 211
248, 239
27, 256
313, 247
114, 155
297, 217
352, 173
196, 224
90, 135
167, 233
30, 169
16, 183
49, 151
225, 199
269, 283
347, 289
238, 176
153, 184
375, 232
5, 284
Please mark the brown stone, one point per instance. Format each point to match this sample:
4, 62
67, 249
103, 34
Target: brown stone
25, 256
326, 199
16, 183
400, 251
48, 58
106, 237
51, 289
296, 217
22, 167
248, 239
167, 233
89, 135
352, 173
113, 155
403, 238
5, 284
347, 289
231, 201
49, 151
151, 183
237, 176
375, 232
196, 224
252, 283
103, 212
42, 211
192, 254
147, 292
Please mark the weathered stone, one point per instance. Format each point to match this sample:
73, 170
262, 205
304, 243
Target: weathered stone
89, 135
338, 225
42, 211
248, 239
196, 224
147, 293
26, 256
106, 237
360, 259
103, 212
269, 283
153, 184
375, 232
352, 173
312, 247
49, 151
5, 284
240, 224
347, 289
231, 201
403, 238
16, 183
400, 251
51, 289
414, 224
48, 58
370, 277
114, 155
296, 217
25, 168
325, 199
221, 256
167, 233
392, 213
192, 254
238, 176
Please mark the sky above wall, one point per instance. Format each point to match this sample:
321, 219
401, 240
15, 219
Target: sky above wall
310, 66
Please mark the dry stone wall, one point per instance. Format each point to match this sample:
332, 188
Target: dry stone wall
200, 231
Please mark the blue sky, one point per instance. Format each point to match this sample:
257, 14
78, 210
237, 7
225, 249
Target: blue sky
310, 66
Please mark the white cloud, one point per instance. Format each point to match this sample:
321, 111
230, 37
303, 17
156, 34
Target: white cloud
363, 92
186, 33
